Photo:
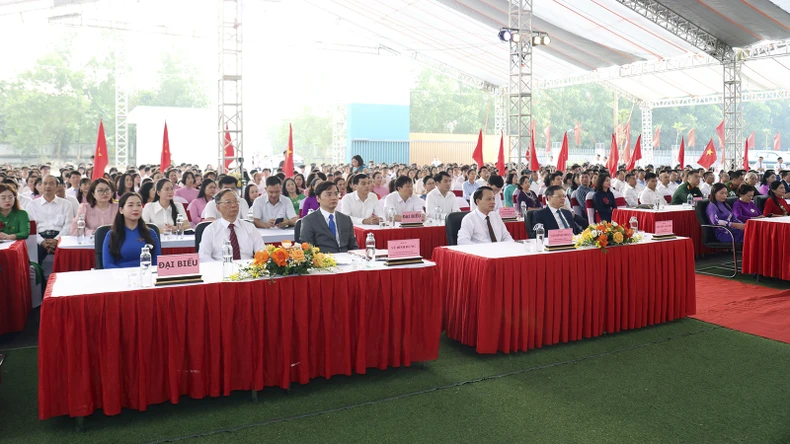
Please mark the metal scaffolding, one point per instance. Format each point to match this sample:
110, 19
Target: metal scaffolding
339, 135
229, 83
647, 133
500, 107
520, 80
733, 114
121, 103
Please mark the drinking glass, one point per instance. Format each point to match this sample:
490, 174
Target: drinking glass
167, 232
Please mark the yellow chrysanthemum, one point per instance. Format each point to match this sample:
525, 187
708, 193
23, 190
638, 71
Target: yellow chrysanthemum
618, 237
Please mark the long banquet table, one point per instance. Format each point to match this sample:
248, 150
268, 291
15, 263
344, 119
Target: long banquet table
502, 298
684, 222
15, 292
72, 256
430, 236
105, 346
766, 243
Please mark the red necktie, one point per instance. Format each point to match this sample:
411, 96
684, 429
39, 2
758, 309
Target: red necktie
234, 243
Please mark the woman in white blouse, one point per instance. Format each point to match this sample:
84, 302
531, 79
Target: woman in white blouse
163, 211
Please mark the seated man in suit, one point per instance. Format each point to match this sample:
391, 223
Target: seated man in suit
327, 229
483, 225
554, 216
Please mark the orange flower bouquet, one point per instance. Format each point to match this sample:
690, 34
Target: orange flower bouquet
285, 260
606, 234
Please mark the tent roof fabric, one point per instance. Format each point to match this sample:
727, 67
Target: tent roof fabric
585, 36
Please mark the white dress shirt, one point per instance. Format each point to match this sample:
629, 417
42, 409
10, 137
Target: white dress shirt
153, 213
447, 203
780, 166
705, 189
649, 197
665, 190
562, 221
474, 229
631, 195
51, 216
210, 212
672, 186
497, 203
393, 200
357, 209
264, 210
217, 232
72, 191
75, 204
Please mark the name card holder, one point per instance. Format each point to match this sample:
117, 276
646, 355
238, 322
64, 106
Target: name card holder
663, 230
176, 269
410, 219
403, 252
560, 240
508, 214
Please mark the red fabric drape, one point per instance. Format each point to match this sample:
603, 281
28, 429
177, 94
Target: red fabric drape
430, 237
14, 287
684, 223
73, 259
763, 249
147, 346
521, 303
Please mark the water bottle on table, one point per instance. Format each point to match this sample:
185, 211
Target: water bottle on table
690, 200
370, 249
227, 260
524, 210
540, 234
81, 229
146, 278
179, 229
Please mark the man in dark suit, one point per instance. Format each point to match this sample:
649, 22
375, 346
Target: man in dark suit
327, 229
553, 216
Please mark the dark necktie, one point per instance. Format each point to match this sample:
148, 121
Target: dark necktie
234, 243
490, 230
332, 226
562, 218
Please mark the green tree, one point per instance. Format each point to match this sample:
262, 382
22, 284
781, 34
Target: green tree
312, 134
180, 85
440, 104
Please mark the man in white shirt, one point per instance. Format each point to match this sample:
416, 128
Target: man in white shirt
673, 181
273, 206
244, 238
759, 165
664, 187
470, 185
618, 182
31, 186
780, 165
74, 184
650, 195
403, 199
630, 193
483, 225
640, 181
61, 193
53, 217
496, 183
707, 182
534, 183
484, 175
441, 196
225, 183
360, 205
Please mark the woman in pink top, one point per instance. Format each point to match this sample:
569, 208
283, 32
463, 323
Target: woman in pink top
195, 209
99, 209
188, 191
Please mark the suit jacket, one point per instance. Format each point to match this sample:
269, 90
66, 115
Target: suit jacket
546, 217
316, 231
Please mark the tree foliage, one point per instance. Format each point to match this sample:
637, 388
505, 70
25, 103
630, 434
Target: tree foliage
440, 104
312, 134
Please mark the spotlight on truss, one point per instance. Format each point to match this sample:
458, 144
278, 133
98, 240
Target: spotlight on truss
505, 35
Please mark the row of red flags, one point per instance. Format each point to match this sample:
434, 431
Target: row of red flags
100, 160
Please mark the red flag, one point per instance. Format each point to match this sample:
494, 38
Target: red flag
533, 155
778, 142
577, 133
637, 154
751, 141
562, 159
288, 162
720, 132
164, 159
681, 153
657, 138
532, 126
614, 157
477, 155
708, 156
746, 155
500, 162
692, 137
547, 135
100, 156
228, 148
627, 143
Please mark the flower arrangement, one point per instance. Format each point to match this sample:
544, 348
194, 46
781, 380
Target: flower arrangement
288, 259
606, 234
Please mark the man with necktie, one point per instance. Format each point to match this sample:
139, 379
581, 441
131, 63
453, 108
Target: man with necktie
483, 225
244, 237
327, 229
554, 216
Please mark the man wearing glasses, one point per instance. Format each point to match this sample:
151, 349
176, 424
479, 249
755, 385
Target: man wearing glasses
244, 238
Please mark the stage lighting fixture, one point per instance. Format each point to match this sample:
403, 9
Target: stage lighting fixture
517, 37
505, 35
535, 40
545, 40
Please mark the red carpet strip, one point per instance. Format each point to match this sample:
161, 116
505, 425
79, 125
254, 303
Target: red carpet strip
748, 308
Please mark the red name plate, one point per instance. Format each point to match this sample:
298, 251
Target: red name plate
663, 227
400, 249
696, 199
507, 212
178, 264
411, 217
561, 237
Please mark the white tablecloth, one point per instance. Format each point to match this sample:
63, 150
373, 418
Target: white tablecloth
774, 220
664, 209
270, 235
5, 245
118, 279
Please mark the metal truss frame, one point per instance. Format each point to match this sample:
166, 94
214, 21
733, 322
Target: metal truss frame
715, 99
520, 80
500, 107
229, 100
339, 134
121, 103
647, 133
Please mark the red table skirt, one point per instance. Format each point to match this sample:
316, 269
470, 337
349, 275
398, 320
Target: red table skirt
764, 245
430, 237
517, 304
684, 223
14, 287
147, 346
81, 259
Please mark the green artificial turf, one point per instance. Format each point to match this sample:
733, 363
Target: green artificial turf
686, 381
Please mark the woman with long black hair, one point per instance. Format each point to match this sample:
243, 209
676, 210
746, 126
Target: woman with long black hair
128, 235
163, 211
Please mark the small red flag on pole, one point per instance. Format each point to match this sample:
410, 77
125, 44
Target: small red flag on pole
288, 162
720, 133
164, 159
534, 165
708, 156
614, 157
778, 142
746, 154
692, 137
627, 144
562, 159
657, 138
477, 154
100, 156
500, 162
228, 148
682, 153
637, 154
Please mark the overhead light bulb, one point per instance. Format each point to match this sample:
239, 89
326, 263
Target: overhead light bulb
505, 35
535, 40
546, 39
